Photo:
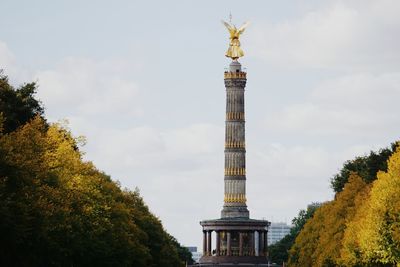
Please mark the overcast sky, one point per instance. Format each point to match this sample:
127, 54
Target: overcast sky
143, 81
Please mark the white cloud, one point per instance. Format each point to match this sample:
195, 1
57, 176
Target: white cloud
353, 105
149, 148
179, 171
8, 63
342, 35
281, 177
196, 139
7, 59
86, 87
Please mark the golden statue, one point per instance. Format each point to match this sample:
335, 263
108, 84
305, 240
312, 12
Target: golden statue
234, 50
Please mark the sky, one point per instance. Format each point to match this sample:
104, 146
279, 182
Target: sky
143, 82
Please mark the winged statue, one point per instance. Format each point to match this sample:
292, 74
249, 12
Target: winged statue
234, 51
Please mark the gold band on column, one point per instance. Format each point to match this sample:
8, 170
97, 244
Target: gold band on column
235, 171
235, 198
233, 75
235, 144
235, 116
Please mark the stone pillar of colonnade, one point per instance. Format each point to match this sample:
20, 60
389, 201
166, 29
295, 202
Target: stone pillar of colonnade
228, 244
204, 242
209, 248
217, 243
256, 243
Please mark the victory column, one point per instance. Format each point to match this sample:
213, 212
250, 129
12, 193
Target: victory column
239, 240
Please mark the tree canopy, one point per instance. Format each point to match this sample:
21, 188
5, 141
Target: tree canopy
373, 237
57, 209
365, 166
360, 227
367, 169
278, 252
18, 106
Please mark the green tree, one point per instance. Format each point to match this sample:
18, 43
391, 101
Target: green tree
278, 252
18, 106
183, 252
58, 210
162, 250
366, 166
61, 211
1, 122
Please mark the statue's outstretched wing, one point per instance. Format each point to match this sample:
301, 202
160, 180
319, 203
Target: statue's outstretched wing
243, 27
227, 25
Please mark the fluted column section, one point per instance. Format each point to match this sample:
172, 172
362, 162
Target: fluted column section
235, 151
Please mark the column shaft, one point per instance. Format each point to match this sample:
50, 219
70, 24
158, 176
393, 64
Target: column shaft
209, 243
218, 243
262, 243
228, 244
256, 243
235, 151
252, 244
240, 244
204, 243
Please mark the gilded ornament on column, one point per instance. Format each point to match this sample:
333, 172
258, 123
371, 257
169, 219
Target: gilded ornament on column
234, 51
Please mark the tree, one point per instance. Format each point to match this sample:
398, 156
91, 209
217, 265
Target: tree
377, 242
1, 122
320, 241
18, 106
301, 253
58, 210
366, 166
183, 252
350, 254
278, 252
341, 211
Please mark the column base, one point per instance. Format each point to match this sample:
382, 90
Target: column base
235, 212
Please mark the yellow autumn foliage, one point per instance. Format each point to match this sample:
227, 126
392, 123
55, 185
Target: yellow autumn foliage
360, 227
350, 254
59, 210
319, 243
379, 236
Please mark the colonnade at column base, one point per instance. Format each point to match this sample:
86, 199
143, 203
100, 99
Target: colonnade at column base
237, 241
